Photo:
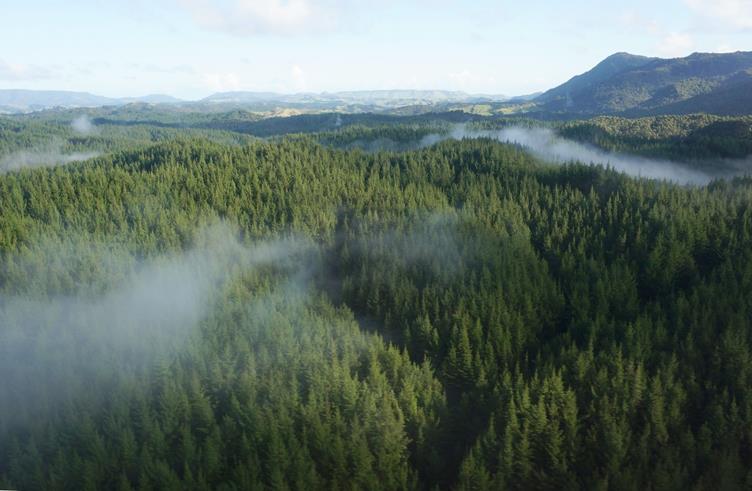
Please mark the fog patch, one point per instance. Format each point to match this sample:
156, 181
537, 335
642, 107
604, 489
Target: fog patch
434, 241
433, 139
63, 348
438, 244
83, 126
546, 145
49, 156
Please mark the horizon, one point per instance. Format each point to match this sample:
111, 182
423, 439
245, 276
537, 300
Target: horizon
190, 49
352, 91
323, 92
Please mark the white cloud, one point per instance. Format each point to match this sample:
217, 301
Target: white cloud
668, 43
676, 44
14, 71
248, 17
83, 125
735, 13
222, 82
461, 79
299, 81
636, 20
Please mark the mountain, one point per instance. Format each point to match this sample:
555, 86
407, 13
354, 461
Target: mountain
733, 97
637, 85
32, 100
242, 97
524, 98
583, 84
414, 96
17, 100
20, 101
151, 99
364, 97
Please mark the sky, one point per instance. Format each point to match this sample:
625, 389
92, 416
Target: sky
192, 48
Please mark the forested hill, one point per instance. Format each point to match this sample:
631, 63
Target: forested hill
624, 83
282, 315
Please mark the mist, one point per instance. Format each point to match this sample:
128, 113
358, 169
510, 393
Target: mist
439, 243
433, 241
49, 156
83, 126
57, 349
546, 145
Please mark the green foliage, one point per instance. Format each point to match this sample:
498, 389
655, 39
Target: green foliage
478, 321
716, 83
699, 137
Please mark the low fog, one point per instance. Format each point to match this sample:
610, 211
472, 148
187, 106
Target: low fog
51, 154
546, 145
55, 349
435, 241
83, 126
48, 156
441, 243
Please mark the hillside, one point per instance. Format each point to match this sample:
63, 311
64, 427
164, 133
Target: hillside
20, 101
195, 309
30, 100
357, 96
635, 85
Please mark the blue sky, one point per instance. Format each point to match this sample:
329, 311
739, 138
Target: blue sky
191, 48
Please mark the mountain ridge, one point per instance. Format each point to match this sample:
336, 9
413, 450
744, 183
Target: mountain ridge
354, 96
25, 100
621, 84
635, 85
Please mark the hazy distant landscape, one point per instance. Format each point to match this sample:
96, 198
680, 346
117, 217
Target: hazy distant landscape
393, 246
622, 84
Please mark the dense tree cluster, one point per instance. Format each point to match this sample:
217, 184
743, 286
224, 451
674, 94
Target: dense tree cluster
56, 135
469, 318
696, 137
386, 137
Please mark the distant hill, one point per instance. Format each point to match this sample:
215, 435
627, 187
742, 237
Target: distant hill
20, 101
637, 85
17, 100
151, 99
364, 97
524, 98
32, 100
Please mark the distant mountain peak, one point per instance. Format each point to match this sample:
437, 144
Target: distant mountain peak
623, 55
628, 84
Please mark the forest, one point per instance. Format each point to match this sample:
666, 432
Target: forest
216, 301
